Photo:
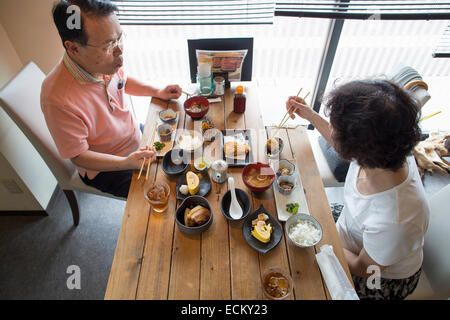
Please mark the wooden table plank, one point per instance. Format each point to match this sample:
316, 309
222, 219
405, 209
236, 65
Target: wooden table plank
277, 257
156, 262
245, 273
215, 262
185, 268
126, 266
315, 195
304, 269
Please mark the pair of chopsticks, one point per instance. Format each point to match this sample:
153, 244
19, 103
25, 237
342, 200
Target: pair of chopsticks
149, 160
286, 116
433, 114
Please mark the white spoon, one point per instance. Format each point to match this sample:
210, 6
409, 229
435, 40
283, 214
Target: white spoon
235, 209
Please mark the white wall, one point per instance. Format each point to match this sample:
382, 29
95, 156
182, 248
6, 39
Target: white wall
9, 60
29, 26
23, 37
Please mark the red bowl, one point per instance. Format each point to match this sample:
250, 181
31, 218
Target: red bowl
200, 100
258, 166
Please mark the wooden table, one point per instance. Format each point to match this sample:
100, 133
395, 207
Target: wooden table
155, 260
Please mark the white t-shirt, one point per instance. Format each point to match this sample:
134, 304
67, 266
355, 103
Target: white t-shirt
390, 225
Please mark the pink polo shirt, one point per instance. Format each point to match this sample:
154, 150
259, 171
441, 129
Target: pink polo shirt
83, 113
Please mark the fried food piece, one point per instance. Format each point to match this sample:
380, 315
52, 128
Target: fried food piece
199, 215
232, 148
261, 217
272, 145
196, 216
187, 221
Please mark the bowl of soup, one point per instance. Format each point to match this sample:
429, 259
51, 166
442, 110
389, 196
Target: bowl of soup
196, 107
258, 176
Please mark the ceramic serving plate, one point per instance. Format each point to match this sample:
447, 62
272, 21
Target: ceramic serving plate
275, 237
204, 188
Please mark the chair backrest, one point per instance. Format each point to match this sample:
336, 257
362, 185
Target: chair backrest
20, 98
436, 251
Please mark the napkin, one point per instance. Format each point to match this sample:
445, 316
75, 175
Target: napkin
336, 279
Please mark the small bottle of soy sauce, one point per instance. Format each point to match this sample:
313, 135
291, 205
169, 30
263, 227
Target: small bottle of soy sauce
239, 100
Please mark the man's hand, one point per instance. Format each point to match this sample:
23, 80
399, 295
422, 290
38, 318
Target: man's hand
169, 92
138, 88
135, 159
97, 161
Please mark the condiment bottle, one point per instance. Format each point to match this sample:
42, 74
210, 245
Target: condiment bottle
239, 100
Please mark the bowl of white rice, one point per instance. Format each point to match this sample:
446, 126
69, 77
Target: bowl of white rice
303, 230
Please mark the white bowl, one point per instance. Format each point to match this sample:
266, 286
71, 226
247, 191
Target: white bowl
286, 178
168, 113
190, 141
293, 220
283, 163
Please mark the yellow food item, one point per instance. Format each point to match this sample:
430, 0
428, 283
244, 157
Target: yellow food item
262, 231
193, 182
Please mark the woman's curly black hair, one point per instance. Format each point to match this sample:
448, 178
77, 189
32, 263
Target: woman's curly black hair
374, 122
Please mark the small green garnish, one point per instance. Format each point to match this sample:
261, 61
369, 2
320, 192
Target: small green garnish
158, 145
292, 208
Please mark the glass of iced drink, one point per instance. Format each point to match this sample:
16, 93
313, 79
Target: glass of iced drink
158, 196
277, 283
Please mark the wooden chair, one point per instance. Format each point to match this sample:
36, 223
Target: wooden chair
20, 98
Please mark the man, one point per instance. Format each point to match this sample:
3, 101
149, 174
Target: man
82, 98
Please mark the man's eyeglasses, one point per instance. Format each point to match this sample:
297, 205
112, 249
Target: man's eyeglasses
109, 48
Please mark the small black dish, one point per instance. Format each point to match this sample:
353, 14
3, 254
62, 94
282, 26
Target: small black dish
191, 202
244, 202
172, 169
204, 187
275, 237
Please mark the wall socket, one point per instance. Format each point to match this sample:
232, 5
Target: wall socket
11, 186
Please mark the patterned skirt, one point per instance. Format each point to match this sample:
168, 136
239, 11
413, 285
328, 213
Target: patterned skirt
390, 289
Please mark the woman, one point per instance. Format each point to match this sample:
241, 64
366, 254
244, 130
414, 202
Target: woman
374, 124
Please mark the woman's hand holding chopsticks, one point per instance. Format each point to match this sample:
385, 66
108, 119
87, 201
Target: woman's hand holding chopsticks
298, 106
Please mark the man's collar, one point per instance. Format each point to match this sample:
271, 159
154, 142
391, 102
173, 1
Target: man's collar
78, 72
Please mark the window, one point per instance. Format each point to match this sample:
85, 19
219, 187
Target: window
377, 48
287, 52
287, 49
